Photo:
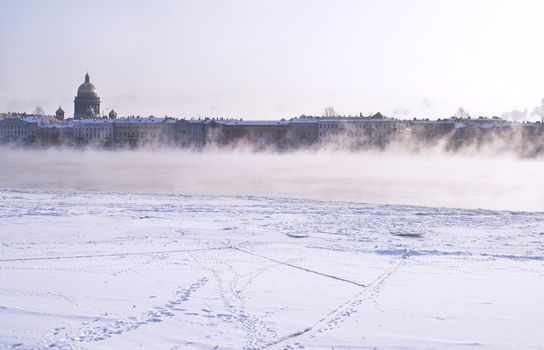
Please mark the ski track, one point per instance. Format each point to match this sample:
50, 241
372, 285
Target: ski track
109, 255
302, 268
338, 315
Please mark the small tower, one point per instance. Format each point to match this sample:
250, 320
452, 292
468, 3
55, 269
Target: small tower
59, 114
112, 114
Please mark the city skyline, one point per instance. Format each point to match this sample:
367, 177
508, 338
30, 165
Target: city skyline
417, 59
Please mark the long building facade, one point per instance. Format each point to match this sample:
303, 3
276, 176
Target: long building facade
89, 127
351, 133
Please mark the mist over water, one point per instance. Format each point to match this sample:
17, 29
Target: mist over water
428, 179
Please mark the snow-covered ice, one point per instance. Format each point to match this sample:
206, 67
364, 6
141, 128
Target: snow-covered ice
83, 270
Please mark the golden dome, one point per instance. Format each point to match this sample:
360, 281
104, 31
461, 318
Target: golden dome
87, 91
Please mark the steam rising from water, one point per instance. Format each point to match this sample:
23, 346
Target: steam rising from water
432, 179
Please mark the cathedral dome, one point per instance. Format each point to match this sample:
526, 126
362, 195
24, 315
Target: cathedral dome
87, 102
87, 91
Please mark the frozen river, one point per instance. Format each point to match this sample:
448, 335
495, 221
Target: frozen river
425, 179
84, 270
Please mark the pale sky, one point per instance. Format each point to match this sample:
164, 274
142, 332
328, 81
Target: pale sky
272, 59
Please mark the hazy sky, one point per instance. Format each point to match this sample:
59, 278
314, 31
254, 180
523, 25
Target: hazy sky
270, 59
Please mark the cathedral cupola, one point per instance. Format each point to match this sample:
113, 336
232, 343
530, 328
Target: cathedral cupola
87, 102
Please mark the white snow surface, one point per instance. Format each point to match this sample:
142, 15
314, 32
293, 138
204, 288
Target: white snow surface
83, 270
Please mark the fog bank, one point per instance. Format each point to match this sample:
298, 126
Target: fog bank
430, 179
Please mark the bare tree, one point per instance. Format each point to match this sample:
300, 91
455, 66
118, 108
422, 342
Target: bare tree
330, 112
539, 110
38, 111
462, 113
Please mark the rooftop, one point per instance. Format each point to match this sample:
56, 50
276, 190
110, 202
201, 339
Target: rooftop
258, 122
140, 120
